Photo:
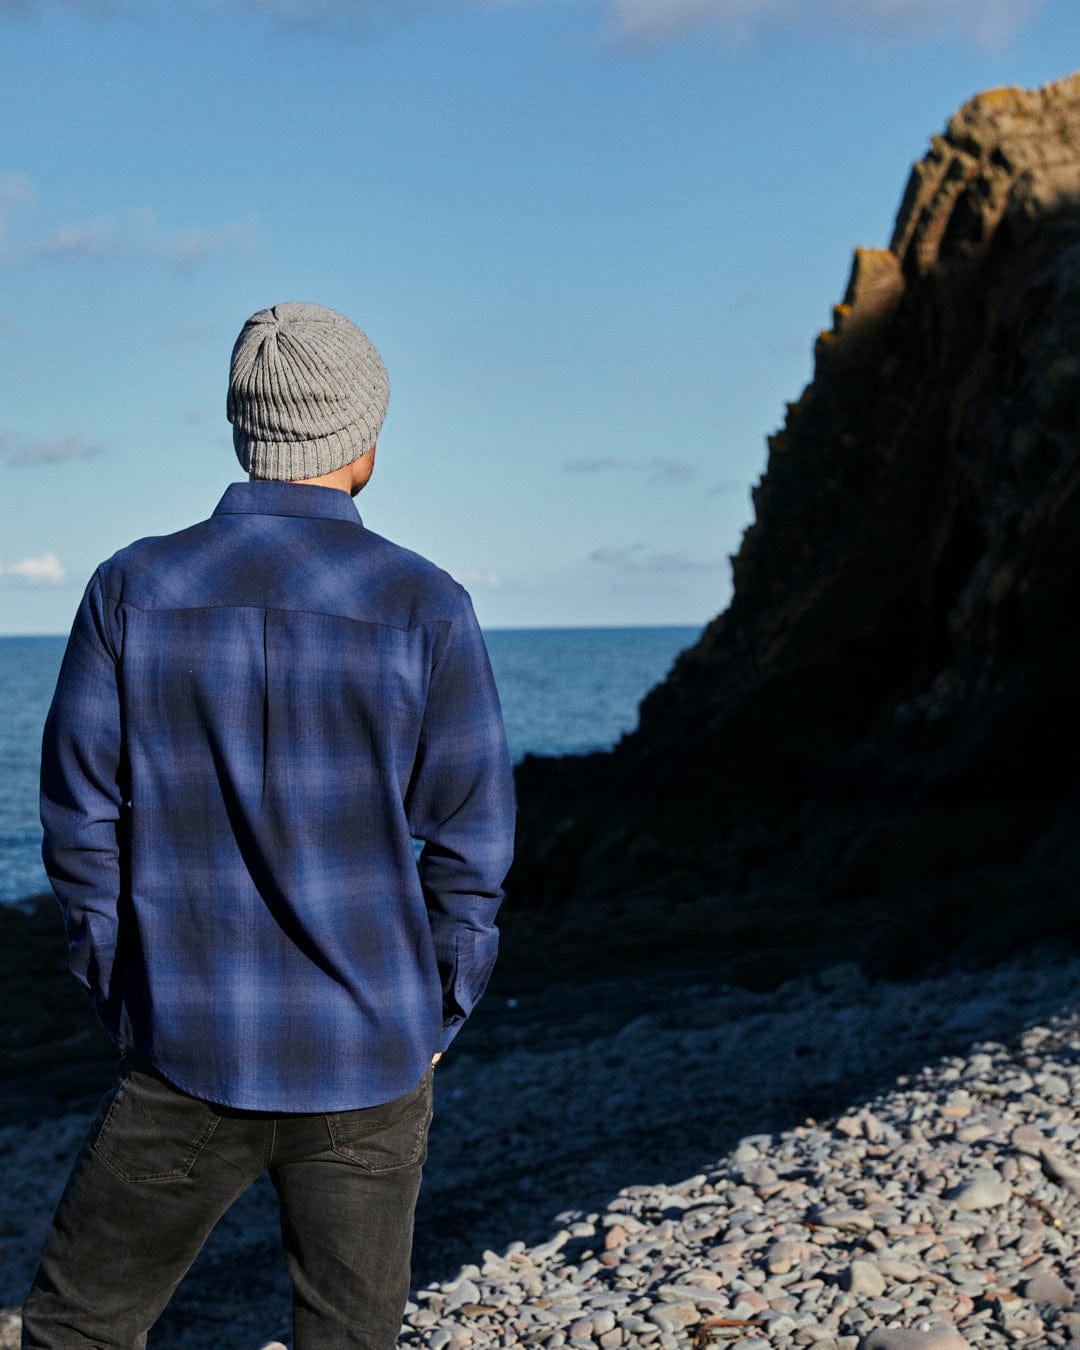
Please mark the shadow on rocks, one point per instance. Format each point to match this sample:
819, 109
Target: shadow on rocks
552, 1101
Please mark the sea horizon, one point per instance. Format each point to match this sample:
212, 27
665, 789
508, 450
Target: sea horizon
488, 628
565, 690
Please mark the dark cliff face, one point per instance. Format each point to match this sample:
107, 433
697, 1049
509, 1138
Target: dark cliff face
873, 752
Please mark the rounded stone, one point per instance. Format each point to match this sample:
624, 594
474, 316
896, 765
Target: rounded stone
985, 1190
863, 1277
1047, 1287
897, 1338
782, 1256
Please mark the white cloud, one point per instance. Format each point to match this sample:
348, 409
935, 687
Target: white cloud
45, 569
57, 450
28, 234
489, 581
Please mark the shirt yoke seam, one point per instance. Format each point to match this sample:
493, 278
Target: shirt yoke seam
285, 609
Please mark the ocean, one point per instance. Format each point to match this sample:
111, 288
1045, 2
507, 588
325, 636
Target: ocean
563, 691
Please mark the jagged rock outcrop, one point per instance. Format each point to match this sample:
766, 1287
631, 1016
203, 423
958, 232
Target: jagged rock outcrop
873, 752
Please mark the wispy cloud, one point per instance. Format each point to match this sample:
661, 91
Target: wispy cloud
727, 486
985, 25
30, 233
982, 24
191, 334
316, 9
44, 569
601, 464
186, 247
204, 415
138, 236
672, 471
94, 239
649, 470
17, 198
16, 188
86, 6
623, 556
361, 18
641, 558
57, 450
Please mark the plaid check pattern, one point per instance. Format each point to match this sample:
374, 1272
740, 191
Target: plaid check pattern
254, 719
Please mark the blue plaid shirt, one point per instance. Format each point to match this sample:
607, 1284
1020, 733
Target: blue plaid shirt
254, 718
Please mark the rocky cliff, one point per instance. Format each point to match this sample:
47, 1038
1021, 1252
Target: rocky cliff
872, 753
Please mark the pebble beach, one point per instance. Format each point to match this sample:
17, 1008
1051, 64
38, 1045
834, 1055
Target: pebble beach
939, 1210
944, 1213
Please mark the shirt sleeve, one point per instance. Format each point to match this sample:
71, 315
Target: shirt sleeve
461, 805
82, 799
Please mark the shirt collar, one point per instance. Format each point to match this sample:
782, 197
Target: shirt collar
266, 498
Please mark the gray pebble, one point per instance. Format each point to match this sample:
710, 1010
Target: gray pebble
985, 1190
462, 1291
938, 1338
863, 1277
782, 1255
1046, 1287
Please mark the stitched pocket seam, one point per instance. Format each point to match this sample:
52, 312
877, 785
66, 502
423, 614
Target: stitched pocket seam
175, 1173
355, 1152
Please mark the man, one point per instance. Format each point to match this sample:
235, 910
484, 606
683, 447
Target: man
254, 719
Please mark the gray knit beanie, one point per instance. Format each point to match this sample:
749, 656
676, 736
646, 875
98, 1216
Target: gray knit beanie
307, 392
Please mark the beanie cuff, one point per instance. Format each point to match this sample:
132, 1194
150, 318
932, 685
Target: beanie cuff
289, 460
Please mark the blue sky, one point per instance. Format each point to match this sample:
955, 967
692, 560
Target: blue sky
593, 240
